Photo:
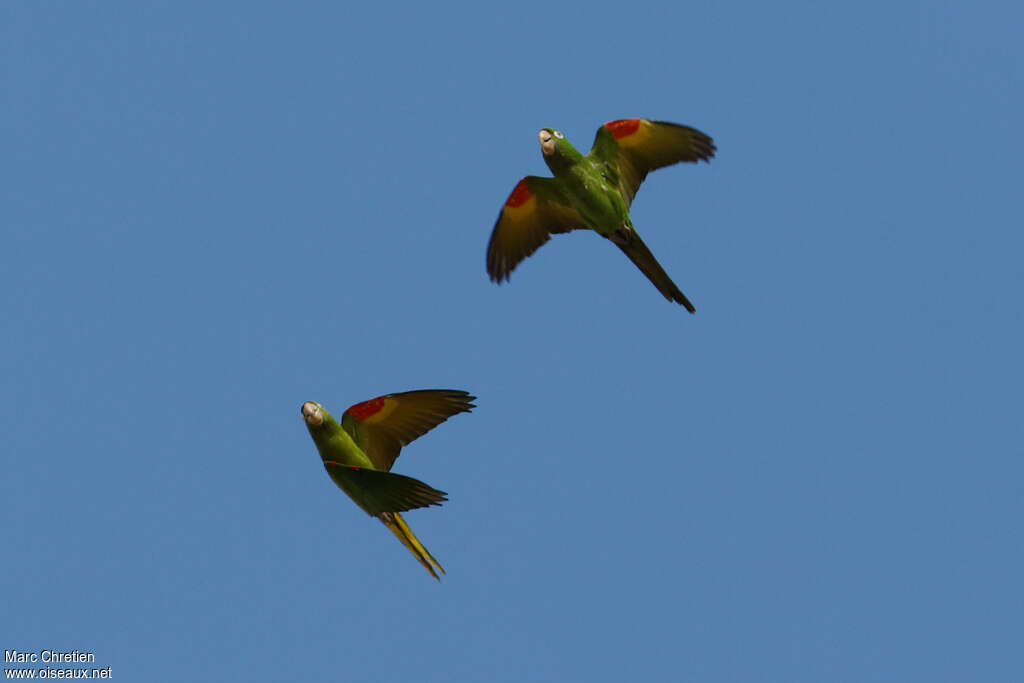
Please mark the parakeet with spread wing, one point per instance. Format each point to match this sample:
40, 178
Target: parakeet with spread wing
358, 454
594, 192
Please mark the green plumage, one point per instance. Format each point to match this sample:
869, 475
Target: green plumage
358, 452
593, 192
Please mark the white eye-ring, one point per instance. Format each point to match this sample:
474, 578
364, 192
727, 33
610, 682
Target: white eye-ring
557, 134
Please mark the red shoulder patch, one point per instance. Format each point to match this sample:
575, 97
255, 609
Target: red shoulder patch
623, 127
520, 195
361, 411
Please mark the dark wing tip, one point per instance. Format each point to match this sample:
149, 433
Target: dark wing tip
412, 495
500, 263
405, 493
703, 146
456, 400
461, 396
497, 264
422, 496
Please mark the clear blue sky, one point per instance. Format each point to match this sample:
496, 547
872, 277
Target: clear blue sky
213, 214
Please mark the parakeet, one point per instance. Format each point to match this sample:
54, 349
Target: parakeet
359, 452
595, 192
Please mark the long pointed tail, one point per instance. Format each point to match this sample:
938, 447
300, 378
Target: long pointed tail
399, 528
640, 255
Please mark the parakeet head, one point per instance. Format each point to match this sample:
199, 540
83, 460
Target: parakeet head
559, 154
549, 140
313, 413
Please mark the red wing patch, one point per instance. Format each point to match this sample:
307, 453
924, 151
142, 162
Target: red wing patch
361, 411
623, 127
520, 195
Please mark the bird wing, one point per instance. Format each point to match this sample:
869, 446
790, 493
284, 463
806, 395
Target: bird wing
632, 148
378, 492
536, 208
382, 425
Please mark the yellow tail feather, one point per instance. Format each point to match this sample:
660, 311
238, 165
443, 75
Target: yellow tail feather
399, 528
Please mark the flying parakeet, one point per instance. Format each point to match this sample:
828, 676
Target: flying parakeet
359, 452
595, 192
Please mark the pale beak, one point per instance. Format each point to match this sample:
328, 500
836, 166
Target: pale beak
547, 142
311, 413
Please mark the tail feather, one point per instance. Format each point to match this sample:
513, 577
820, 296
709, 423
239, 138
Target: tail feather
640, 255
394, 521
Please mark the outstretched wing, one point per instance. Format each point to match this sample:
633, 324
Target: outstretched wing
382, 425
632, 148
378, 492
536, 208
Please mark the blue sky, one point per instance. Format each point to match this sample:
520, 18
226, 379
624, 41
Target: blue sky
211, 214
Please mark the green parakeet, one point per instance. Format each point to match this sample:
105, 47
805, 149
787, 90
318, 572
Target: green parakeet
595, 192
359, 452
